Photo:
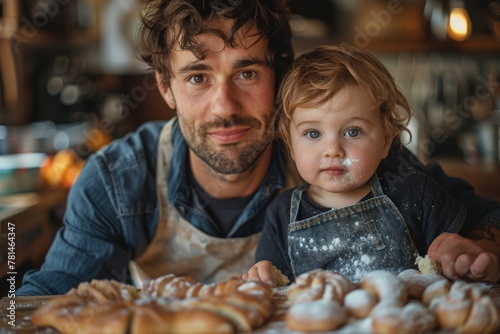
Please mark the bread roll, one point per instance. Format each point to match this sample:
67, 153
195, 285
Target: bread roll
467, 308
416, 282
426, 265
317, 315
411, 318
388, 288
319, 284
359, 303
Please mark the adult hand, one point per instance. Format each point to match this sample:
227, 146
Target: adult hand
261, 271
463, 257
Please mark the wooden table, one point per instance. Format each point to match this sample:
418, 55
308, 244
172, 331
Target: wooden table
27, 305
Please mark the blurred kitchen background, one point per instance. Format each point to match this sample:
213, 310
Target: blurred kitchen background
71, 81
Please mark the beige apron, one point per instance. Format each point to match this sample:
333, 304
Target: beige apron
181, 249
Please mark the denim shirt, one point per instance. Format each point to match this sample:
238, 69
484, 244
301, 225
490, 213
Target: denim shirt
112, 210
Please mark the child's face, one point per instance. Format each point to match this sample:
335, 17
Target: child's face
338, 145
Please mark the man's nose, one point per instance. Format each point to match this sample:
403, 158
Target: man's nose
225, 100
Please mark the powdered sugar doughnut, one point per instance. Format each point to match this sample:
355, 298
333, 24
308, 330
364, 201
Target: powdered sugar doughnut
412, 318
318, 315
389, 289
416, 282
319, 284
359, 303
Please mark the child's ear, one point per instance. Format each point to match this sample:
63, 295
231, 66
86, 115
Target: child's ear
165, 91
389, 137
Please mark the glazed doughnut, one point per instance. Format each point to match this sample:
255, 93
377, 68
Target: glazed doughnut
416, 282
317, 315
359, 303
412, 318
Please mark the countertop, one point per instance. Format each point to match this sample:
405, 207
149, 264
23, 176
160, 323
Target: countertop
25, 306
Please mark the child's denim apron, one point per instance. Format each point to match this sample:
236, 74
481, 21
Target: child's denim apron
353, 240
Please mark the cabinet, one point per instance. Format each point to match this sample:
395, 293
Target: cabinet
28, 224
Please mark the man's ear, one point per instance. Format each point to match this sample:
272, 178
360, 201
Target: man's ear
165, 91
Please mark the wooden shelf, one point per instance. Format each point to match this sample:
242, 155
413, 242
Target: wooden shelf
477, 45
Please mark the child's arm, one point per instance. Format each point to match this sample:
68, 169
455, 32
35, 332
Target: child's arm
475, 258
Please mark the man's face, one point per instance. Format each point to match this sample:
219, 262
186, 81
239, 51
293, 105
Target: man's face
224, 102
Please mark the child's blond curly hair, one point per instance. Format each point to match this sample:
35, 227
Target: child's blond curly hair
317, 75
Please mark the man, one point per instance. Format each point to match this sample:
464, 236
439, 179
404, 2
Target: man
188, 196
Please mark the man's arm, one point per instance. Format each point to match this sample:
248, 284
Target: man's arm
475, 253
86, 247
475, 257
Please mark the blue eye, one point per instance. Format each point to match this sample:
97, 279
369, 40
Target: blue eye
312, 134
352, 133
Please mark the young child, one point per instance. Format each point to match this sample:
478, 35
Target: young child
339, 113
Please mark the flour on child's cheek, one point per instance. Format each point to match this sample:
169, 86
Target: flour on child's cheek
347, 162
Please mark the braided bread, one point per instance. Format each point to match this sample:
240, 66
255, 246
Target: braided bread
170, 303
105, 291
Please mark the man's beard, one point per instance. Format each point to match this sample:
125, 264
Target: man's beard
234, 158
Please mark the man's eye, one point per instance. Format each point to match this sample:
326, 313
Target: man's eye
352, 133
312, 134
247, 74
196, 79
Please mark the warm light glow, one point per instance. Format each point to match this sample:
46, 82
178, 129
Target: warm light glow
459, 24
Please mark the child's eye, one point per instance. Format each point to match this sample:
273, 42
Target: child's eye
352, 133
312, 134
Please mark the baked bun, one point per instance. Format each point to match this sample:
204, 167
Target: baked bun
278, 278
426, 265
359, 303
416, 282
319, 284
467, 308
436, 290
411, 318
388, 288
317, 315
